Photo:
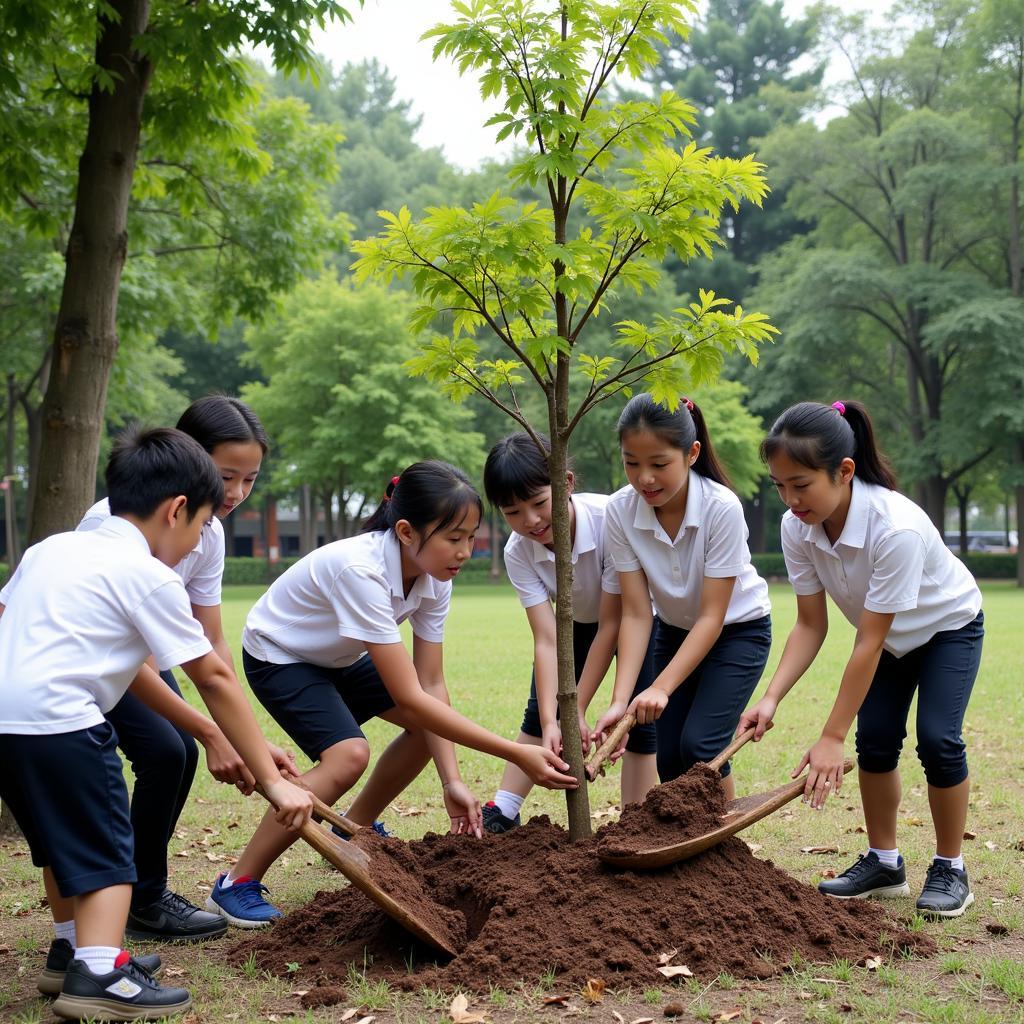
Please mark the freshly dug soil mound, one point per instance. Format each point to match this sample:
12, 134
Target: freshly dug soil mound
682, 809
533, 902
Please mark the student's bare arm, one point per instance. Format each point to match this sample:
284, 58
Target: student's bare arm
545, 663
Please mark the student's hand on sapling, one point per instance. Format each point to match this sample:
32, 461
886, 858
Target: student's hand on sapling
551, 737
463, 809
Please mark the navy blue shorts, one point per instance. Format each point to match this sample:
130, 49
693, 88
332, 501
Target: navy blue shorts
642, 739
942, 671
318, 707
703, 712
68, 796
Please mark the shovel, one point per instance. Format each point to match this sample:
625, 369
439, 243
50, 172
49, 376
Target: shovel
354, 864
740, 814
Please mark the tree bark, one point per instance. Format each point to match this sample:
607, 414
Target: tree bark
962, 496
327, 498
85, 339
10, 511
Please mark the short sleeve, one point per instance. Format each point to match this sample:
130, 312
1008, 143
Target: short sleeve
361, 600
95, 517
617, 545
522, 575
164, 620
609, 574
725, 544
12, 584
897, 565
203, 584
428, 620
802, 575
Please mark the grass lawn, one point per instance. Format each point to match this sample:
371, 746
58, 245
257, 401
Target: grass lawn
977, 976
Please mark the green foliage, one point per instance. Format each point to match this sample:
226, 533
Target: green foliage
344, 415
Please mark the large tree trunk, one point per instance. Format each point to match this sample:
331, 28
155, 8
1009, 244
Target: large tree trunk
10, 506
85, 339
962, 496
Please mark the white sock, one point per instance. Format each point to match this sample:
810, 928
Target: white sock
99, 959
65, 930
888, 858
509, 803
954, 862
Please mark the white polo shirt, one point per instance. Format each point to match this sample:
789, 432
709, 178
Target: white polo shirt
82, 614
201, 570
889, 558
531, 566
712, 542
328, 606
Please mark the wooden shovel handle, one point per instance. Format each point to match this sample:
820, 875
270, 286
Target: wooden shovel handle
321, 811
596, 761
739, 741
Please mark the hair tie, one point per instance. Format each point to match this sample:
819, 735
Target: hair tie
839, 408
688, 404
390, 489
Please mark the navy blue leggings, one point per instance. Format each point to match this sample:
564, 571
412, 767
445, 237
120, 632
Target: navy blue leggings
703, 712
943, 672
163, 759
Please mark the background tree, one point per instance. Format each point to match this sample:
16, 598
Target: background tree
513, 271
110, 53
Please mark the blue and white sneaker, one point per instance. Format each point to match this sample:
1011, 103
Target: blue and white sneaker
377, 826
242, 903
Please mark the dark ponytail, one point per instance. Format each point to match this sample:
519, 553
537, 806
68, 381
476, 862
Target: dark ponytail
219, 419
820, 436
679, 429
427, 492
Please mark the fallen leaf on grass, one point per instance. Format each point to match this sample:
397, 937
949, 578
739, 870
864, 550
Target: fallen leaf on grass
996, 928
1019, 844
300, 992
409, 812
680, 971
618, 1016
845, 1008
804, 994
459, 1012
174, 972
828, 873
674, 1010
989, 845
754, 847
872, 963
970, 835
233, 824
819, 849
555, 1000
913, 822
593, 991
369, 1020
349, 1013
183, 853
642, 1020
5, 949
605, 812
726, 1015
664, 958
213, 858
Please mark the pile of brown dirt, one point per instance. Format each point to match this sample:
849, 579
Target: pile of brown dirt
534, 902
673, 812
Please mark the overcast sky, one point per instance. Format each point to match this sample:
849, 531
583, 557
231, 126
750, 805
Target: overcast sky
450, 106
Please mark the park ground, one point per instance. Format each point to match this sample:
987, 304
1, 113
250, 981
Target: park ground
976, 976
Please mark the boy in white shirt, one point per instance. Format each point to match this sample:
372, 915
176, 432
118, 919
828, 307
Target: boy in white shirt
79, 617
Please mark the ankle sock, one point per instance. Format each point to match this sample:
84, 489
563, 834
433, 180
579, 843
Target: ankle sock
99, 959
509, 803
954, 862
65, 930
888, 858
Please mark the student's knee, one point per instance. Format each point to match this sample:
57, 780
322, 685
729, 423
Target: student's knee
167, 754
345, 762
943, 756
879, 747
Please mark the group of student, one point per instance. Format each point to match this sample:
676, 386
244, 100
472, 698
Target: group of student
662, 582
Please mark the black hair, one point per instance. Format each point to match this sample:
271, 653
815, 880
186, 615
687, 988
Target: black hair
220, 419
820, 436
427, 492
679, 429
146, 467
516, 469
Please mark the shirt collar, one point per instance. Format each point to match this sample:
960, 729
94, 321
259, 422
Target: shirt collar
393, 567
118, 526
693, 514
854, 529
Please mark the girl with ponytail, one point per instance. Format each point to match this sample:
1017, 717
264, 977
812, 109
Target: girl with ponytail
679, 543
323, 653
850, 534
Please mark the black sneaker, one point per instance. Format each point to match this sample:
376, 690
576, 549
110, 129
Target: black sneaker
128, 992
867, 876
946, 892
61, 954
495, 822
173, 919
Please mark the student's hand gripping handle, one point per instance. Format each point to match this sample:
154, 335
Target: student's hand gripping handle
595, 762
321, 811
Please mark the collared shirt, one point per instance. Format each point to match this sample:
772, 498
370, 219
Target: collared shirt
328, 606
711, 542
201, 570
82, 614
889, 558
531, 566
